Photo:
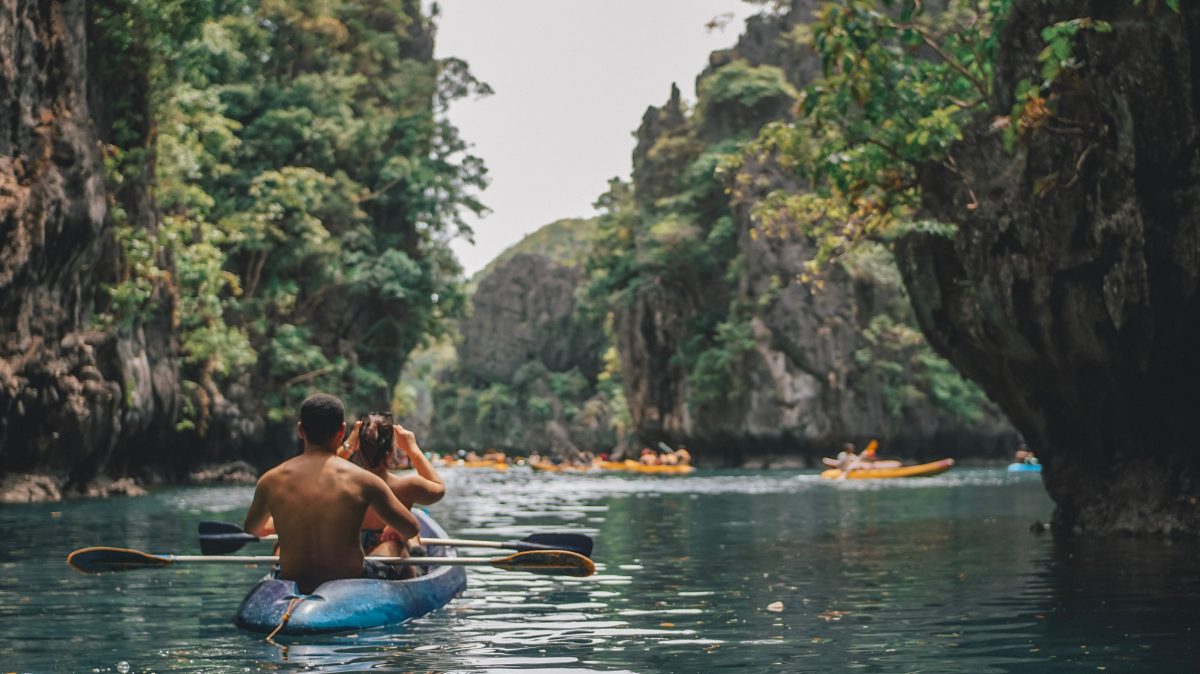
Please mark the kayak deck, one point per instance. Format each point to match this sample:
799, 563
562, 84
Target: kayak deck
919, 470
354, 603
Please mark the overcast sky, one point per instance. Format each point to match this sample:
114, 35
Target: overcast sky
572, 79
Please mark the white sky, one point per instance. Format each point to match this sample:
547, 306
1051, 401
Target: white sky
572, 79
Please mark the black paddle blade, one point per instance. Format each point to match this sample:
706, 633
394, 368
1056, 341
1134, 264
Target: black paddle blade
219, 538
550, 562
577, 543
100, 560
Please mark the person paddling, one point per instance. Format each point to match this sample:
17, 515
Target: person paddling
372, 444
318, 501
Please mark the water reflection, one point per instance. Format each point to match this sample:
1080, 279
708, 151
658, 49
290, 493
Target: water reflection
718, 571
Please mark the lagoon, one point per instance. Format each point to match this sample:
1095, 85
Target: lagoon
718, 571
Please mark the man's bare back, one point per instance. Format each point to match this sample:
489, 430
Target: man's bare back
318, 502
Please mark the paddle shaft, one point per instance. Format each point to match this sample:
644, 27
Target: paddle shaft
272, 559
554, 562
451, 542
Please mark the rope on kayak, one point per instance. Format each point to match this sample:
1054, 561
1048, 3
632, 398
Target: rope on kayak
287, 615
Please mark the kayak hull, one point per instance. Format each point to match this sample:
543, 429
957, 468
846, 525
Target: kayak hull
631, 466
1025, 468
920, 470
355, 603
492, 465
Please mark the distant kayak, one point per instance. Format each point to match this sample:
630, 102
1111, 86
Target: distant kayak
631, 466
833, 463
493, 465
628, 466
547, 467
920, 470
1024, 467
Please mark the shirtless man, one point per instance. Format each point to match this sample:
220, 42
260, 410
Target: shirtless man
318, 501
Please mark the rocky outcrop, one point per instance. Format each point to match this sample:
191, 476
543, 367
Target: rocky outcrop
527, 369
1072, 289
824, 360
74, 399
234, 472
29, 488
524, 310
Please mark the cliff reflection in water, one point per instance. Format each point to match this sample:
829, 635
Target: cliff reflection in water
935, 575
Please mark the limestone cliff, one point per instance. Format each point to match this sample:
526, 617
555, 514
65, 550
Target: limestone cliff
74, 399
732, 350
1071, 290
528, 366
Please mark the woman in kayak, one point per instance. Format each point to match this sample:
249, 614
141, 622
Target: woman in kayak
373, 444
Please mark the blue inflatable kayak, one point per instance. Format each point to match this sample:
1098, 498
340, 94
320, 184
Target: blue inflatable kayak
1024, 467
355, 603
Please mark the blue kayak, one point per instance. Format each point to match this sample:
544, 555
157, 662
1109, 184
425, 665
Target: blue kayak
1024, 467
354, 603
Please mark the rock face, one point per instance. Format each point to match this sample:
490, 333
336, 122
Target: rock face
70, 394
524, 310
820, 367
1071, 289
526, 376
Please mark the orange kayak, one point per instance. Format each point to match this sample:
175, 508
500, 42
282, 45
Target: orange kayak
628, 466
494, 465
920, 470
631, 466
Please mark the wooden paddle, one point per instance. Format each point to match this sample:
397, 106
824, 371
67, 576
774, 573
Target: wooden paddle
218, 538
551, 562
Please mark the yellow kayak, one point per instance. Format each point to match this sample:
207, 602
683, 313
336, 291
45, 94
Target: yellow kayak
920, 470
494, 465
628, 466
631, 466
547, 467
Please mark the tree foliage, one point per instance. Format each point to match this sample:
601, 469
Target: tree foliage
309, 185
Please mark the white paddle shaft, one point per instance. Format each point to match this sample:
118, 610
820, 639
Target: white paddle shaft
271, 559
452, 542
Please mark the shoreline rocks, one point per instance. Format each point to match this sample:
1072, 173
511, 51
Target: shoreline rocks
29, 488
234, 472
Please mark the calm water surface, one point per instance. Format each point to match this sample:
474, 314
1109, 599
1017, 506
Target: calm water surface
928, 575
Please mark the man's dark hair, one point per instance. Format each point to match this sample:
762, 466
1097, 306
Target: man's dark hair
321, 415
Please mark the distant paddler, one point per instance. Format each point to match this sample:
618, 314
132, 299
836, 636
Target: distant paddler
848, 459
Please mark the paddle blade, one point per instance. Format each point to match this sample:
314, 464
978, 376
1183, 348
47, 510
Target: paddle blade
219, 538
550, 562
101, 560
577, 543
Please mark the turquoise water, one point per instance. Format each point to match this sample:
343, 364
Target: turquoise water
925, 575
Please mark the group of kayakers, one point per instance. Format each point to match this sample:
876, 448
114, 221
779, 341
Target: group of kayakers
669, 457
336, 500
472, 458
585, 460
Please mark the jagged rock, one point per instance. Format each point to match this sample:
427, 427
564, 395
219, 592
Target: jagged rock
73, 400
1070, 292
29, 488
104, 487
802, 391
235, 472
524, 311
